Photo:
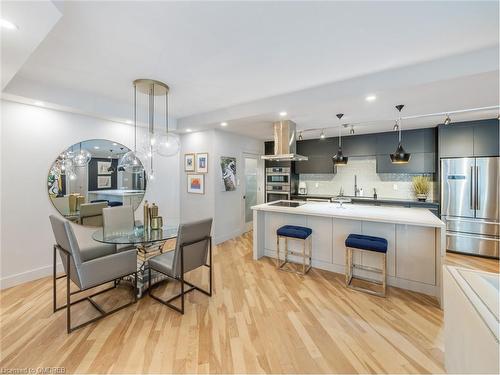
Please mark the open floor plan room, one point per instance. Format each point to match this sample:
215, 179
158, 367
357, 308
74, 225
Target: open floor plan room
240, 187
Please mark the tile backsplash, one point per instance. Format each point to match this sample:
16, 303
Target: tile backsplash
388, 185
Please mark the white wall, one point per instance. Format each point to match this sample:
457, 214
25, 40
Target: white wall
226, 207
32, 137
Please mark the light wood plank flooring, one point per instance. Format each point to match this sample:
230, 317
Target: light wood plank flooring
258, 320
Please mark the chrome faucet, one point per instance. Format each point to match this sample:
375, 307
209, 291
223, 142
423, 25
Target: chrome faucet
356, 190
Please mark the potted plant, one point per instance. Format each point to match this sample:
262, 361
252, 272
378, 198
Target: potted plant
421, 187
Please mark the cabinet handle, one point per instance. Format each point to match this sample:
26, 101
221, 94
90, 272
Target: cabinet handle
477, 188
472, 195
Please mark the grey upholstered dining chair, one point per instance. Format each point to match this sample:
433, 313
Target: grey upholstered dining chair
194, 246
118, 220
88, 268
91, 213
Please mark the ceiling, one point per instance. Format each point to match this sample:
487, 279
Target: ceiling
37, 19
243, 62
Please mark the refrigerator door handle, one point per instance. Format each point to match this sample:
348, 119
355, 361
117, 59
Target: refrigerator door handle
477, 189
472, 184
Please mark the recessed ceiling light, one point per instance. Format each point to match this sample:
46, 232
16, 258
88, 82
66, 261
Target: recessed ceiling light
96, 147
114, 143
370, 98
188, 130
8, 25
223, 124
40, 104
283, 114
128, 121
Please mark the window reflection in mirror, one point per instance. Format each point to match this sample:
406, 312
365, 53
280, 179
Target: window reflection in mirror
85, 178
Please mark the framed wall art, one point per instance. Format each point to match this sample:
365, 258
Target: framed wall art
202, 162
189, 162
196, 183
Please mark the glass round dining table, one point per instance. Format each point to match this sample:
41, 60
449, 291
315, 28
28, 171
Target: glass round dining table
148, 243
138, 236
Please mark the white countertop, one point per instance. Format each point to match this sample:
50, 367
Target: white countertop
396, 215
482, 291
118, 192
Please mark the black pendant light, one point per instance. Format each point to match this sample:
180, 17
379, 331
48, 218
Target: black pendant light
400, 156
339, 158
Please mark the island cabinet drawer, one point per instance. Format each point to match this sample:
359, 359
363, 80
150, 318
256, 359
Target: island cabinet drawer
416, 253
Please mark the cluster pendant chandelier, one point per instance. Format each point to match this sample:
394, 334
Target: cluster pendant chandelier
400, 156
150, 109
339, 158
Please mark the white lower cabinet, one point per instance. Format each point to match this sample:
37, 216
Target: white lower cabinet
321, 238
373, 259
416, 253
341, 229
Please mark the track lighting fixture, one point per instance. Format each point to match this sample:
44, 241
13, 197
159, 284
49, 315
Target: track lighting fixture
300, 136
396, 126
351, 132
322, 135
447, 120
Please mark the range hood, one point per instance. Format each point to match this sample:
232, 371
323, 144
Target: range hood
285, 146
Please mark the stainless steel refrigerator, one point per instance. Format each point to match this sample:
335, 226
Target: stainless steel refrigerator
470, 205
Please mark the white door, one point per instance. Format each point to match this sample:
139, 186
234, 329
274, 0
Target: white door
253, 187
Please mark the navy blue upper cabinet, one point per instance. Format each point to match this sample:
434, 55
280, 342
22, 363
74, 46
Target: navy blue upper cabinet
421, 143
418, 140
471, 138
420, 162
359, 145
319, 152
486, 141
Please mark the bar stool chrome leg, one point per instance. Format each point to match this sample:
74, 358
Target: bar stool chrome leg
349, 273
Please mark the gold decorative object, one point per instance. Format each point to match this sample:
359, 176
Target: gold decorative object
153, 211
80, 200
72, 200
146, 216
156, 222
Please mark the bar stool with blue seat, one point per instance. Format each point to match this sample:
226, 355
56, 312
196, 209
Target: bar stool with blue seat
373, 245
296, 233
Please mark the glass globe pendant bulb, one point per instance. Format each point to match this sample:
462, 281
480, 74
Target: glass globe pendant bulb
168, 144
131, 163
71, 174
66, 164
68, 154
82, 158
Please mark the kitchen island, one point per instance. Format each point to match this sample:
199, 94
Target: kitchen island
416, 239
127, 197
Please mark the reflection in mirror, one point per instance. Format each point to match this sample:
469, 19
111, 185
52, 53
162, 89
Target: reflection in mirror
85, 178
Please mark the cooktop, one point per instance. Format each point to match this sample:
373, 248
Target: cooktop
286, 204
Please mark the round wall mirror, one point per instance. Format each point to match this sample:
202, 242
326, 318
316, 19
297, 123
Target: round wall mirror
86, 177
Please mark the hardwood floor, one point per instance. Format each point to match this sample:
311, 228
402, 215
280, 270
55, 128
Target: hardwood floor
258, 320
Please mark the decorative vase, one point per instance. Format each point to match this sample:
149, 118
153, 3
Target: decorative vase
421, 197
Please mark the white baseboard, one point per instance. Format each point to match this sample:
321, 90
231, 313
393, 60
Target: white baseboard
23, 277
